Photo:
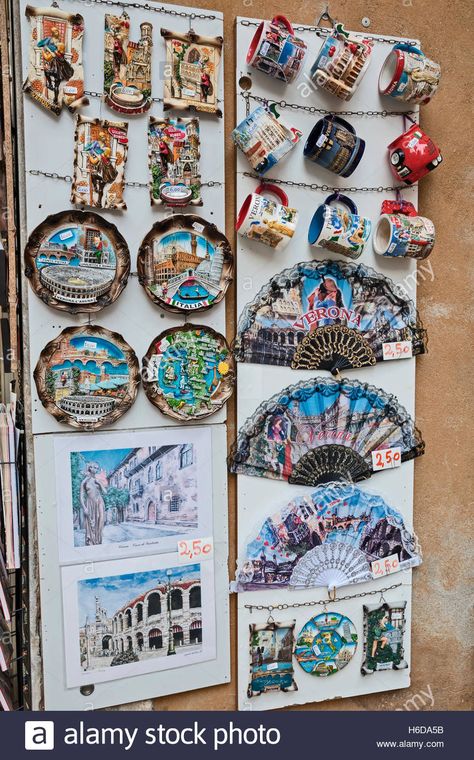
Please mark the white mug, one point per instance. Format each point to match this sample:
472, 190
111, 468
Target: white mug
270, 223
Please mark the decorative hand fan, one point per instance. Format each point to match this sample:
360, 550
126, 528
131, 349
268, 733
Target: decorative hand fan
326, 538
326, 315
321, 430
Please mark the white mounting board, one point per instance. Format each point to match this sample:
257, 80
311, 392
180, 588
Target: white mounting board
49, 146
258, 497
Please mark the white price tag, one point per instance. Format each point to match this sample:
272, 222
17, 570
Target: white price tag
385, 566
272, 666
195, 549
386, 459
90, 345
398, 350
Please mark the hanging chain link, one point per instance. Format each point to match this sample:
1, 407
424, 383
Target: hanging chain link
320, 602
152, 8
326, 188
130, 183
312, 109
322, 31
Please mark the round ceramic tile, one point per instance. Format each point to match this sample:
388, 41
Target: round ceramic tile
87, 377
77, 261
326, 644
185, 264
188, 372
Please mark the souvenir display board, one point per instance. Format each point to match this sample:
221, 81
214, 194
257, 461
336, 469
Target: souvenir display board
57, 161
258, 381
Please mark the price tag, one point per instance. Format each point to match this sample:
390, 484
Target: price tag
386, 459
385, 566
195, 548
272, 666
401, 349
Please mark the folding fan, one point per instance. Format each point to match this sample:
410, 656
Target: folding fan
326, 538
327, 315
321, 430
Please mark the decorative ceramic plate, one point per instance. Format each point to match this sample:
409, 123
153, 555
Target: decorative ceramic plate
188, 372
77, 261
326, 644
185, 264
87, 377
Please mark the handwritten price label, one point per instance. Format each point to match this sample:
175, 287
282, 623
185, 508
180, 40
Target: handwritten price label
386, 459
399, 350
195, 548
386, 566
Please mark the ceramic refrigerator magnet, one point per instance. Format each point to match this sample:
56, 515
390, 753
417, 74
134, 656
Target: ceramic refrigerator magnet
77, 261
401, 232
408, 75
326, 644
127, 65
271, 657
337, 229
412, 155
87, 377
276, 50
188, 372
341, 63
264, 139
185, 264
384, 627
55, 74
99, 163
333, 144
192, 71
265, 220
173, 162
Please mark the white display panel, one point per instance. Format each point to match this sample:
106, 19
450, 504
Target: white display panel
259, 497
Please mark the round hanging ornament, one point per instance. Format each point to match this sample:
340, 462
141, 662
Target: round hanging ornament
326, 644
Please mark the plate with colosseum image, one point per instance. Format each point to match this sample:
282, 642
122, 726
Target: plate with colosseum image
185, 264
87, 377
188, 372
126, 617
138, 492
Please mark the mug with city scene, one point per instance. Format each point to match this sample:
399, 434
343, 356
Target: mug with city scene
265, 220
333, 144
408, 75
264, 138
341, 63
401, 232
276, 51
337, 229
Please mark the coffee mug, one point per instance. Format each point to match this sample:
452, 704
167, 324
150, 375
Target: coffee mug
276, 51
334, 144
265, 220
264, 139
409, 75
341, 63
401, 232
412, 155
339, 230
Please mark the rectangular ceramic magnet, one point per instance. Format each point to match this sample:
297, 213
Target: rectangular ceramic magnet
173, 161
127, 65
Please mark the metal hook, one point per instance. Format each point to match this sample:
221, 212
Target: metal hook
326, 16
332, 594
270, 618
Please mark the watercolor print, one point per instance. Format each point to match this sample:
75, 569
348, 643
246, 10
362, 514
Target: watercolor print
271, 653
384, 626
87, 377
127, 65
173, 162
192, 70
135, 493
326, 644
55, 74
129, 616
77, 261
99, 163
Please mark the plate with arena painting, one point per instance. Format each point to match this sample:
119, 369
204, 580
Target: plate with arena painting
77, 261
87, 377
185, 264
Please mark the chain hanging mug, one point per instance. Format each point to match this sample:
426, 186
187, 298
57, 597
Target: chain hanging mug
265, 220
400, 232
341, 63
276, 51
408, 75
341, 230
333, 144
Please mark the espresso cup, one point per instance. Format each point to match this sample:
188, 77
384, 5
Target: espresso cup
341, 64
333, 144
265, 220
276, 51
401, 232
341, 230
408, 75
412, 155
264, 139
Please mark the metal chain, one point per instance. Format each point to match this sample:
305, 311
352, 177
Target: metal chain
68, 178
322, 602
326, 188
152, 8
312, 109
322, 31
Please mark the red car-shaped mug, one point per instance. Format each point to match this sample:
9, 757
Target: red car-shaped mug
412, 155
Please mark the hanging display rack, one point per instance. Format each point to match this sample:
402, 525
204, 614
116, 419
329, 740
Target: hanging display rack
320, 31
327, 188
67, 178
322, 602
246, 95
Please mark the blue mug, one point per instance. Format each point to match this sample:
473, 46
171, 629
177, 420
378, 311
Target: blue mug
333, 144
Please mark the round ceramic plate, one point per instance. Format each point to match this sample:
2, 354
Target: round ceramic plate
188, 372
77, 261
185, 264
87, 377
326, 644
